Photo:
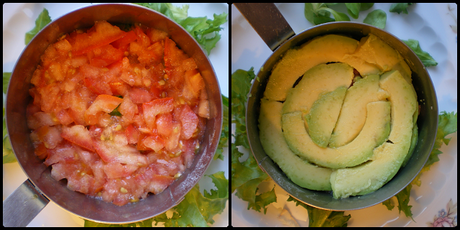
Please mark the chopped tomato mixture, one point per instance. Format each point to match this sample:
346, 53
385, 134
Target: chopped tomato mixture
117, 114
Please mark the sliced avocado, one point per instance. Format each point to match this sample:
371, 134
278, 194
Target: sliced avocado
320, 79
295, 62
323, 116
374, 132
388, 157
353, 114
298, 170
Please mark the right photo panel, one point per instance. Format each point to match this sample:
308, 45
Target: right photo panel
343, 114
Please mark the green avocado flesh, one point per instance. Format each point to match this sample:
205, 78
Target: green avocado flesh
298, 170
349, 123
323, 116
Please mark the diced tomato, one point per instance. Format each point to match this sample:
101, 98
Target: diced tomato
78, 135
41, 151
189, 121
156, 35
104, 56
109, 152
155, 107
164, 124
97, 86
128, 109
159, 183
117, 158
81, 182
50, 136
154, 142
173, 56
101, 34
117, 170
139, 95
65, 154
173, 140
132, 133
103, 103
64, 117
142, 38
194, 82
63, 46
119, 88
123, 43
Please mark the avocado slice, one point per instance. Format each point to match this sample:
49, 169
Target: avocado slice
295, 62
373, 51
387, 158
353, 115
320, 79
297, 169
323, 116
375, 131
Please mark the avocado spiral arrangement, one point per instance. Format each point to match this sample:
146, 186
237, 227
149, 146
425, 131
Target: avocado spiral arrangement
348, 123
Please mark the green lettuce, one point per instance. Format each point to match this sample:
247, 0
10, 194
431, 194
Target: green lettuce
204, 30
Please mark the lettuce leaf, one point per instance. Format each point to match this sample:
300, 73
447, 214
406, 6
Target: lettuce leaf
204, 30
246, 174
323, 218
42, 20
425, 57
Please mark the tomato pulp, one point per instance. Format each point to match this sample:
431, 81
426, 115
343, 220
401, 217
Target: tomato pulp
118, 114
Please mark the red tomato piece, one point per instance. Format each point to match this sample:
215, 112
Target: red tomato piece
128, 109
164, 124
101, 34
78, 135
103, 103
189, 121
104, 56
50, 136
117, 170
97, 86
159, 183
155, 107
173, 140
132, 133
173, 56
139, 95
154, 142
123, 43
110, 152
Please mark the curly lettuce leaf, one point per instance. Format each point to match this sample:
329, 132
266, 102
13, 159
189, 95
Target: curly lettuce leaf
204, 30
323, 218
42, 20
246, 175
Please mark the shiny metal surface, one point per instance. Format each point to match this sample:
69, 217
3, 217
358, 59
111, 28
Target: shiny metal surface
427, 120
18, 97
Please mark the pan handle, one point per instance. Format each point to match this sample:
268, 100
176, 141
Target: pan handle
23, 205
267, 21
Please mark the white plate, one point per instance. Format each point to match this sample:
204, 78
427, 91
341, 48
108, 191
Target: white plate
431, 24
20, 18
